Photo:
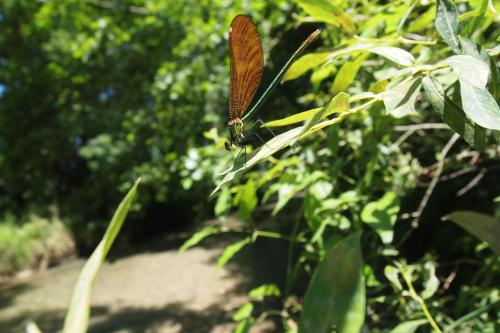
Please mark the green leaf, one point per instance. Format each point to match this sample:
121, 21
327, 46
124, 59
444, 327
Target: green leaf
447, 23
198, 237
452, 114
247, 200
77, 317
326, 11
381, 215
272, 146
265, 290
336, 294
392, 274
431, 282
409, 326
338, 104
483, 226
347, 73
245, 311
231, 250
293, 119
223, 205
305, 63
480, 106
395, 54
400, 100
474, 23
244, 326
470, 70
287, 191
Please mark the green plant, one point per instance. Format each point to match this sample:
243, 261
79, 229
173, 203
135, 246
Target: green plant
347, 170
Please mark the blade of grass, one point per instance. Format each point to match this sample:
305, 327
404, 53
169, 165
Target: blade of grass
77, 317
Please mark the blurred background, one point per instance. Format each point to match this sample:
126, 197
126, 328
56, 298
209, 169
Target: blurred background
94, 94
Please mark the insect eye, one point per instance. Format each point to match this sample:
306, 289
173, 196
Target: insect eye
228, 145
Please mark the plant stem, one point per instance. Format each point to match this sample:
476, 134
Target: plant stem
419, 300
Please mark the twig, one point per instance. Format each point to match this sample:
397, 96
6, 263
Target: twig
424, 126
410, 129
472, 183
430, 189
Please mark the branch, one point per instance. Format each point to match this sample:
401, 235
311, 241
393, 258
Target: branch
430, 189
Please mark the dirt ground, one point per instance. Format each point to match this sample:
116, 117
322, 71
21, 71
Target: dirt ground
156, 289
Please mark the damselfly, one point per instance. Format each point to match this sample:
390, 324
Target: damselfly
247, 65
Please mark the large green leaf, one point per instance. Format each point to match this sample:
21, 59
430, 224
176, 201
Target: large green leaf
452, 114
326, 11
400, 100
77, 318
335, 296
381, 215
272, 146
447, 23
480, 106
483, 226
469, 69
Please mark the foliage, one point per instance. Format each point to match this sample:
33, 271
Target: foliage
400, 127
103, 92
421, 69
35, 243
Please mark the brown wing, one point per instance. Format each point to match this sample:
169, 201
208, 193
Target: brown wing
247, 64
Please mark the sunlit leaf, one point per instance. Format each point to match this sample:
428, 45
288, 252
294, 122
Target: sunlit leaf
400, 100
77, 317
346, 74
244, 326
431, 283
272, 146
452, 114
392, 274
474, 23
305, 63
198, 237
470, 70
336, 293
483, 226
245, 311
223, 204
231, 250
293, 119
326, 11
395, 54
265, 290
381, 215
409, 326
247, 200
480, 106
447, 23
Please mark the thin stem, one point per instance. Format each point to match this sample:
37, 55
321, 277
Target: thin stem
276, 235
419, 300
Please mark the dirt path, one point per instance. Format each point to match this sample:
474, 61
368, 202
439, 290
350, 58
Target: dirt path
155, 290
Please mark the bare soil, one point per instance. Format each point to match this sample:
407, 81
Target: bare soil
156, 289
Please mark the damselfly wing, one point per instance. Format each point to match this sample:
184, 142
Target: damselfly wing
247, 65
